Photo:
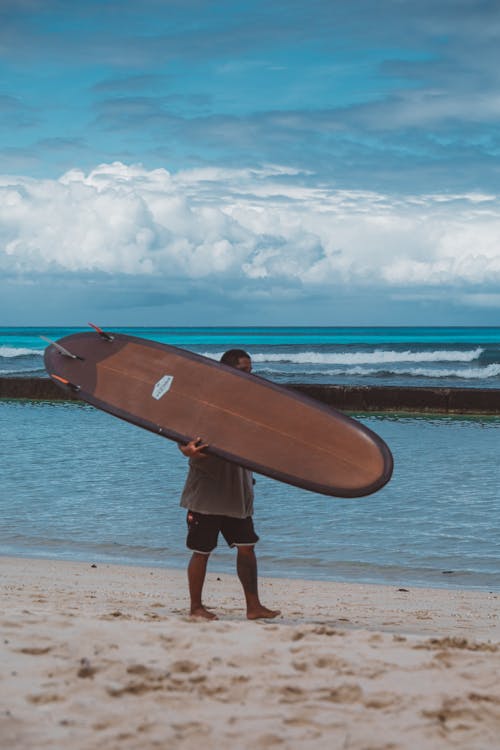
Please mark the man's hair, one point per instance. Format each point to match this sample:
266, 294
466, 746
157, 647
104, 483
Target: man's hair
233, 356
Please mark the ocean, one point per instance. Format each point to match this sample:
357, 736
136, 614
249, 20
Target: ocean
78, 484
437, 357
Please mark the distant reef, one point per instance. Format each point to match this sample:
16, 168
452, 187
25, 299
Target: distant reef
345, 398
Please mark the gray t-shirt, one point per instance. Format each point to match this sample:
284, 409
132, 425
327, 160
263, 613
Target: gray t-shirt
218, 487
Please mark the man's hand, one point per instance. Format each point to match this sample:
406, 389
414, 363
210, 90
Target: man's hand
194, 448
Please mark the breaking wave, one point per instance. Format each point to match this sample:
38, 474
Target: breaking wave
379, 356
10, 352
470, 373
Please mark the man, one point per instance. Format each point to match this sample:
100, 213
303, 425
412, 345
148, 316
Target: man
218, 496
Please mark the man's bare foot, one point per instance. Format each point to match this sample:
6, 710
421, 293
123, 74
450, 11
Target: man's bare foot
262, 613
203, 613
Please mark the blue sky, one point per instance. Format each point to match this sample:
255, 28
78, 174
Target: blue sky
273, 162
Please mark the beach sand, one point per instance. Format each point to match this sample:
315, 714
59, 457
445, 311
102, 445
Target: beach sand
103, 656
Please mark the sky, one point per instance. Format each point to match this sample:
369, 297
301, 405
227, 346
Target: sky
273, 162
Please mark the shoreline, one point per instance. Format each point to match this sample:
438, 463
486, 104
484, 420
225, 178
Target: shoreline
105, 656
418, 400
443, 581
480, 612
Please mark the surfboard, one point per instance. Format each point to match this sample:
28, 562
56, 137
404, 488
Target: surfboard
244, 418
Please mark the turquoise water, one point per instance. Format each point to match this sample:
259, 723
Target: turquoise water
435, 357
79, 484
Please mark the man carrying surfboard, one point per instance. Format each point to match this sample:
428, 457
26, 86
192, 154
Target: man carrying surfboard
218, 496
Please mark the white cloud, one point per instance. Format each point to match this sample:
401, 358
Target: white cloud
272, 226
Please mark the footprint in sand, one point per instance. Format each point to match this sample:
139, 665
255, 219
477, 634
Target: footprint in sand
115, 615
42, 698
132, 688
382, 700
291, 694
35, 650
86, 668
268, 740
342, 694
184, 665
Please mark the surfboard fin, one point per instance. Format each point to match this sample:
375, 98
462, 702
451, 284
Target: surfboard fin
68, 383
102, 334
62, 350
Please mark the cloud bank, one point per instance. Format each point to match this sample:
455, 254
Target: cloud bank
263, 230
378, 95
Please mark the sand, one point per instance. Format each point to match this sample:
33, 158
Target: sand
102, 656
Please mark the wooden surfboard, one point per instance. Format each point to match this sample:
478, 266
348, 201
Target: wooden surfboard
243, 418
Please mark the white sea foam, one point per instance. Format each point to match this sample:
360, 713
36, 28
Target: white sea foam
9, 352
470, 373
34, 372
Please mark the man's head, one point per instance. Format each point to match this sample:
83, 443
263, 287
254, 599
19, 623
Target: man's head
237, 358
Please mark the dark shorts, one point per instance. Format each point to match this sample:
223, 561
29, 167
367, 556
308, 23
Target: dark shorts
203, 531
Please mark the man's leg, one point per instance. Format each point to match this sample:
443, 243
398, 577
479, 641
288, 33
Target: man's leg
246, 566
197, 569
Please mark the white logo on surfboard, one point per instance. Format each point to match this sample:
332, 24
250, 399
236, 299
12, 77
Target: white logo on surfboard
162, 386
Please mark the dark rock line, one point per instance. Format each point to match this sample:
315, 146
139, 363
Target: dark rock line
346, 398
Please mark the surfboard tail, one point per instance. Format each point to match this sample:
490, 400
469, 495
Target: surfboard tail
65, 382
61, 349
103, 334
